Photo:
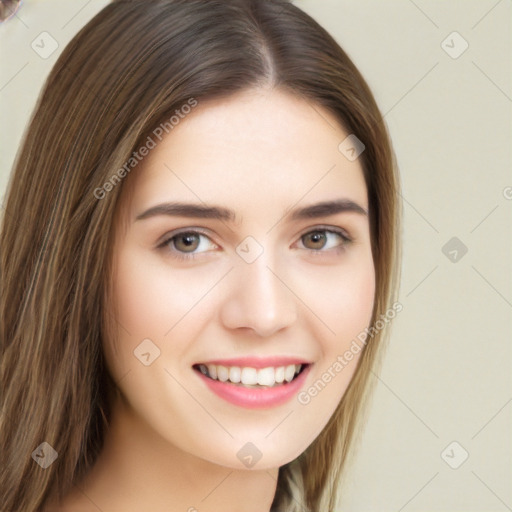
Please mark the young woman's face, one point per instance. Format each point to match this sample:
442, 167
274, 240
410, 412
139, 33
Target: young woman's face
243, 295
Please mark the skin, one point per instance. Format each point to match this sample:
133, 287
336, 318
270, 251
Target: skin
173, 443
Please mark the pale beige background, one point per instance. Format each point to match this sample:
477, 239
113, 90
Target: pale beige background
447, 374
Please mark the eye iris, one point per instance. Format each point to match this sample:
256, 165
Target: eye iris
316, 237
190, 241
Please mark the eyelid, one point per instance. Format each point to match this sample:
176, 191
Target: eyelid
333, 229
166, 240
189, 229
324, 253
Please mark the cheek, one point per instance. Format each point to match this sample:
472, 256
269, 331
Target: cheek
341, 300
139, 302
355, 300
151, 298
345, 306
156, 302
146, 307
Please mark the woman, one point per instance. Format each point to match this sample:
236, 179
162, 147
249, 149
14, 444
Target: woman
199, 239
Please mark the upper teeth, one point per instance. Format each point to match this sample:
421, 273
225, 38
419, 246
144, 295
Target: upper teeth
251, 376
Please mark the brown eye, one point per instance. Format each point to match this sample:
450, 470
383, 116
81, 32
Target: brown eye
317, 239
186, 242
322, 241
187, 245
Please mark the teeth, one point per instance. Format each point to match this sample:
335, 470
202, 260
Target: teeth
289, 373
267, 376
234, 374
222, 373
212, 370
251, 377
279, 376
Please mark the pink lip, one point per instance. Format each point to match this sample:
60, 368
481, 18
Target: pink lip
257, 362
253, 398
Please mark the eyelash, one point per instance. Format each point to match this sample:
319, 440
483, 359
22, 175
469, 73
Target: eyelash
320, 252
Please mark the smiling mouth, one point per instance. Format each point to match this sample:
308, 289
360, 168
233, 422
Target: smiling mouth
249, 377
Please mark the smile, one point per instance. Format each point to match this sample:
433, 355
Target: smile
254, 388
252, 377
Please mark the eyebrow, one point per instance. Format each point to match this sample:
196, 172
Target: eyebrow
201, 211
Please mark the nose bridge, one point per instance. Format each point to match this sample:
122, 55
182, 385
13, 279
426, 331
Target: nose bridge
258, 299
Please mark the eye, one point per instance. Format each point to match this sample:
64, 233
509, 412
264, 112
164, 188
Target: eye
189, 244
185, 245
321, 240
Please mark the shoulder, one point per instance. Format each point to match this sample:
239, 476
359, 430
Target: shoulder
73, 502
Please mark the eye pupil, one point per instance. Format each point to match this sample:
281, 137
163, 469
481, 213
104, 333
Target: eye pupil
316, 237
189, 240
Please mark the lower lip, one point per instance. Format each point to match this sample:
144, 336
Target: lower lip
254, 398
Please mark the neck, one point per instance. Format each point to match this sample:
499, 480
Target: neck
139, 470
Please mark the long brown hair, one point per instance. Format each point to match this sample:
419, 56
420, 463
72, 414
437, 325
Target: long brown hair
126, 72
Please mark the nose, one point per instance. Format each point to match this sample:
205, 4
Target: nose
258, 299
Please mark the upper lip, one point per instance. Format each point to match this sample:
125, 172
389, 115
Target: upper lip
257, 362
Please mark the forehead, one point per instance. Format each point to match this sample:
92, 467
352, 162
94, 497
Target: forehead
255, 148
